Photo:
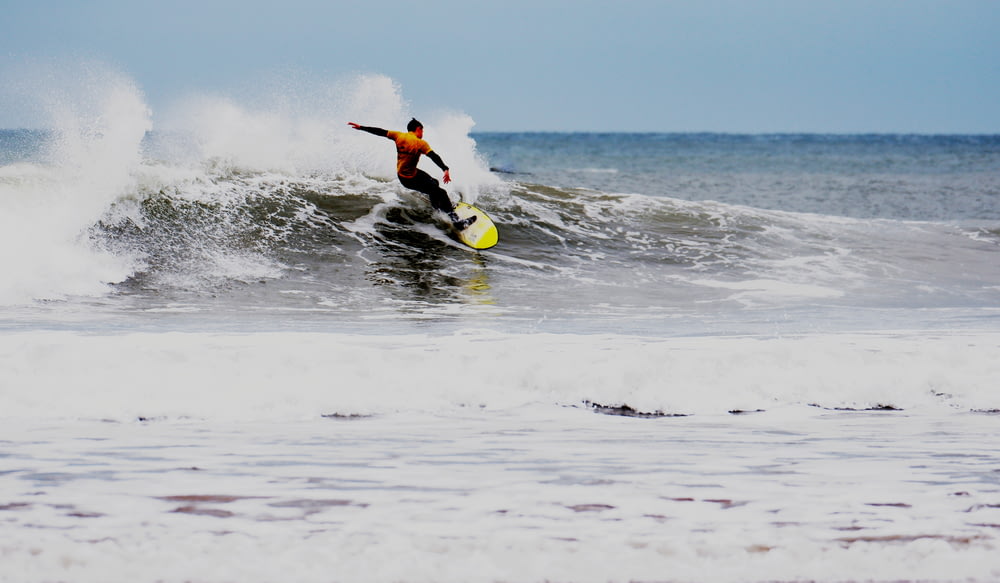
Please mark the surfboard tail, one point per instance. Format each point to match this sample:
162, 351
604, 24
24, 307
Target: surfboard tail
481, 232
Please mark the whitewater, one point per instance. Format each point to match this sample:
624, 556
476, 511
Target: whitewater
234, 348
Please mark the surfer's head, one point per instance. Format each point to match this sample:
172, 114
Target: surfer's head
413, 125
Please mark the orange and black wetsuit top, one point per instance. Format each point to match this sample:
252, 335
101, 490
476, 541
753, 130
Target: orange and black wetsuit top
408, 150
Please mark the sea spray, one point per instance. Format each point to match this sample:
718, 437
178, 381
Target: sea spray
298, 126
97, 120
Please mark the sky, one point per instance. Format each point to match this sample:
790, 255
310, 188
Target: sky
736, 66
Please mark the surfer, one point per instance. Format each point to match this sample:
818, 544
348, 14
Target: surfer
409, 147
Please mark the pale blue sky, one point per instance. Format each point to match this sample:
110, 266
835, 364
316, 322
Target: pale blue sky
841, 66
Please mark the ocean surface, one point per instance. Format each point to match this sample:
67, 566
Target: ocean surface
234, 348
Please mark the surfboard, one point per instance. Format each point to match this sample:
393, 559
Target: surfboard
481, 234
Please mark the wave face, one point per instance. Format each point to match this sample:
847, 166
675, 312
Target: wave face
349, 244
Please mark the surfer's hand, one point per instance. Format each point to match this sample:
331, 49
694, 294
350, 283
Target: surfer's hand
447, 176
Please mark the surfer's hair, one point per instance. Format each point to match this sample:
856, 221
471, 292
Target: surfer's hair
413, 125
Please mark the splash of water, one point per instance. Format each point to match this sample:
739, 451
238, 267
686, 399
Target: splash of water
97, 119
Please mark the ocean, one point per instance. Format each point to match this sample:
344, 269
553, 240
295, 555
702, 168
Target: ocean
234, 348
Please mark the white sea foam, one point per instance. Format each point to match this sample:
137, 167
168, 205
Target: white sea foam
526, 494
283, 376
753, 291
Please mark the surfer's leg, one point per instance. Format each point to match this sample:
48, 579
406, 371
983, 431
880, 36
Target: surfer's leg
425, 183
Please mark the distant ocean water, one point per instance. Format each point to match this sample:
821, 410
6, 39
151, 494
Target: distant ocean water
235, 348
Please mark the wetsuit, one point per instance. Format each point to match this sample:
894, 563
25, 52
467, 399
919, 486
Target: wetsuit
408, 150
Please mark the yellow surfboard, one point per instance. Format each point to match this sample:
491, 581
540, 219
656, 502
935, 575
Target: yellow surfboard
481, 234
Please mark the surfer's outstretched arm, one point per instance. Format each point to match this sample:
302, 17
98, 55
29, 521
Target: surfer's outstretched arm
377, 131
